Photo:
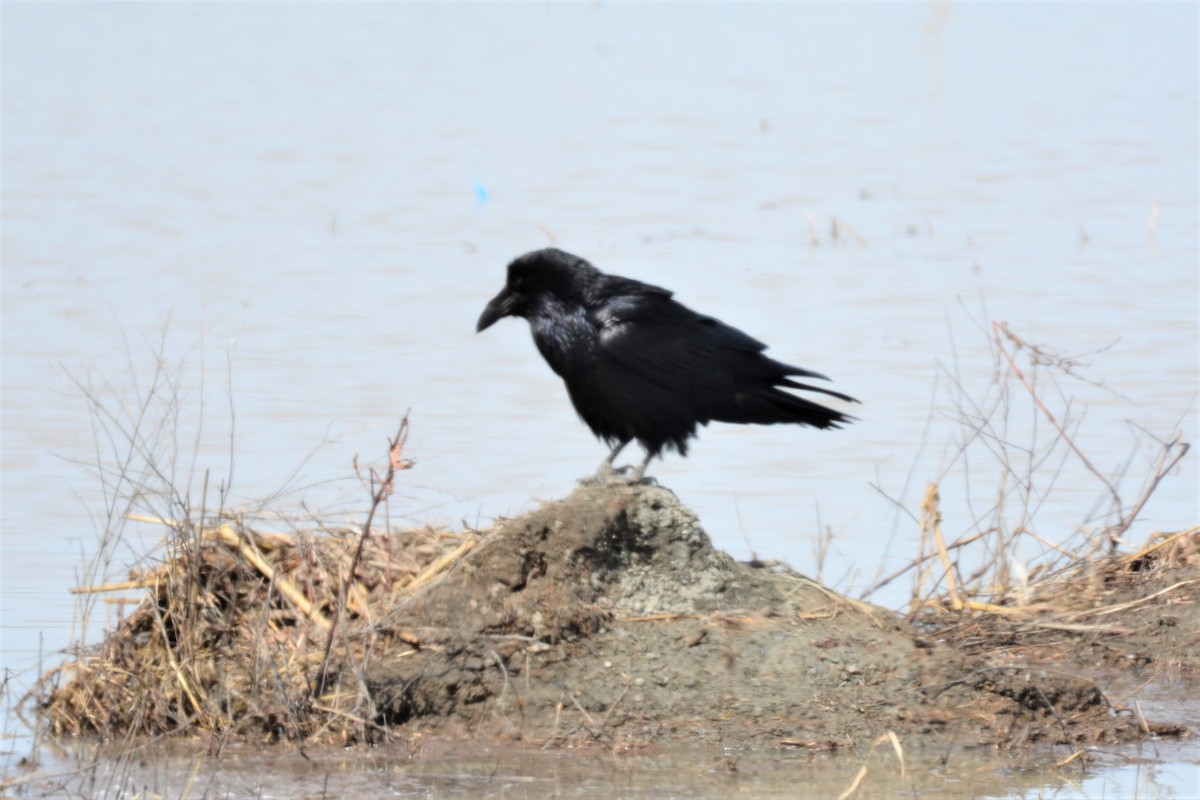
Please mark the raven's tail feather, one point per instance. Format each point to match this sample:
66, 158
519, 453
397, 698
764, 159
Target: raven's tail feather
776, 406
822, 390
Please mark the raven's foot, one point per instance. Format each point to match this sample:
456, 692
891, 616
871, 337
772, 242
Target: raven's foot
608, 475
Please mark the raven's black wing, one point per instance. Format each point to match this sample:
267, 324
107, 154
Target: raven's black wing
712, 370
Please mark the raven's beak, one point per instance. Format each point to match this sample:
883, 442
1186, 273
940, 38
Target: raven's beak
502, 305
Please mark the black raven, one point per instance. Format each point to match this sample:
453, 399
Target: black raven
639, 365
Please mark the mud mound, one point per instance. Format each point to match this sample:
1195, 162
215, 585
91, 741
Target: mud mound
609, 616
604, 617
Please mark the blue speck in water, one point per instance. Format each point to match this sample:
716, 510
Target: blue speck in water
481, 194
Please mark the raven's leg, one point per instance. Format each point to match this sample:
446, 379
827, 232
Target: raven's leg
607, 465
607, 474
639, 475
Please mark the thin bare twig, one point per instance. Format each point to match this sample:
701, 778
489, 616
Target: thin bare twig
1001, 328
384, 489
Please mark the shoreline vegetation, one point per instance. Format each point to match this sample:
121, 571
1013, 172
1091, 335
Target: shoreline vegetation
608, 619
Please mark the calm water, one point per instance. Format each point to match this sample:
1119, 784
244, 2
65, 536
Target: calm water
303, 208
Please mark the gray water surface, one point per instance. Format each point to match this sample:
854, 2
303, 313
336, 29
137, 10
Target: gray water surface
304, 207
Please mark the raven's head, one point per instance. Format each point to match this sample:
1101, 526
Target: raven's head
535, 278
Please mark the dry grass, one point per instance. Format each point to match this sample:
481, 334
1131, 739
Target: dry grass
982, 589
1098, 597
232, 635
238, 629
